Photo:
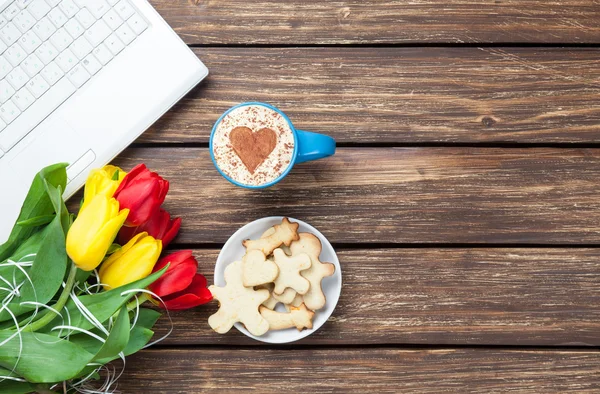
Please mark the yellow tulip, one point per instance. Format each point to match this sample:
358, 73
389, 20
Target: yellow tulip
100, 181
132, 262
94, 231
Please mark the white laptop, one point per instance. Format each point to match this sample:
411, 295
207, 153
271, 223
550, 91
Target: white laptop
79, 81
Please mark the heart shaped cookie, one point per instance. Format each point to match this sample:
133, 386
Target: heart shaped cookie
252, 147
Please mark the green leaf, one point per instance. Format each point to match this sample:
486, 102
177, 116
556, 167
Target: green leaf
113, 248
37, 203
46, 273
147, 318
118, 337
104, 304
36, 221
11, 386
35, 363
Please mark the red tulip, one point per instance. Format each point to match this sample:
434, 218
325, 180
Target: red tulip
142, 192
160, 226
180, 287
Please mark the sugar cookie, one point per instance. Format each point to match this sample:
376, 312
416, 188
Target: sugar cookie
299, 317
238, 304
257, 269
284, 234
286, 297
271, 302
310, 244
270, 232
296, 302
289, 272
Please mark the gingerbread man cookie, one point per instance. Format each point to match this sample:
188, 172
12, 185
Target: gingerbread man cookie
289, 272
286, 297
310, 245
271, 302
284, 234
238, 304
296, 302
299, 317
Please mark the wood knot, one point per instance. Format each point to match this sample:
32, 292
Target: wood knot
488, 121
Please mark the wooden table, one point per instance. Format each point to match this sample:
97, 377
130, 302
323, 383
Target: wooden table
463, 200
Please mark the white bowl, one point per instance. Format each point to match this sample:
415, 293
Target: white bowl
332, 285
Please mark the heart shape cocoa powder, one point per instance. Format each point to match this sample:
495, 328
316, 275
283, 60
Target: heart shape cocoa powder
252, 148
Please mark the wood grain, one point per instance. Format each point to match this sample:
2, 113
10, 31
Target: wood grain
210, 370
401, 95
397, 195
381, 21
477, 296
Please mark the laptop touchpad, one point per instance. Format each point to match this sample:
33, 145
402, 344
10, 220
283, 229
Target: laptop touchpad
52, 142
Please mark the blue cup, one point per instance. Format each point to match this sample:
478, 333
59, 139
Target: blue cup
307, 146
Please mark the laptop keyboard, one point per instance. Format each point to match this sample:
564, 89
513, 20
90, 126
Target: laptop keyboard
51, 48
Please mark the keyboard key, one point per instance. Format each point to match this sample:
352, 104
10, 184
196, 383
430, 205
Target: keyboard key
97, 33
53, 3
74, 28
113, 44
112, 19
124, 9
97, 7
44, 29
10, 34
32, 65
52, 73
6, 91
10, 12
102, 54
8, 113
23, 99
23, 3
91, 64
24, 21
57, 17
38, 111
2, 126
3, 47
38, 86
125, 34
61, 39
137, 24
39, 9
112, 2
15, 54
66, 60
29, 42
17, 78
78, 75
47, 52
85, 18
3, 21
5, 67
81, 47
69, 8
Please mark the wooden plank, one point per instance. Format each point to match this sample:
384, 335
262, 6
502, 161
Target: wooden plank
381, 21
398, 195
360, 370
402, 95
535, 297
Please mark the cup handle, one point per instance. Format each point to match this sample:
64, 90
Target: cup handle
313, 146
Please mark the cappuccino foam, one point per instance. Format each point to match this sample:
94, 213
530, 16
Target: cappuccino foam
254, 117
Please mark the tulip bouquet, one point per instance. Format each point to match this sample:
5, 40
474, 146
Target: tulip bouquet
71, 295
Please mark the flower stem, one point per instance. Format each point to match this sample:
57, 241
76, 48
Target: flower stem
62, 300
